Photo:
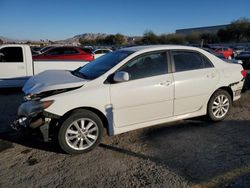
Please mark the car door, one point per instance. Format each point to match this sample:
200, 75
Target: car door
12, 65
195, 77
71, 53
53, 54
148, 95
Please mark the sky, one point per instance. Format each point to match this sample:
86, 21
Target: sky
61, 19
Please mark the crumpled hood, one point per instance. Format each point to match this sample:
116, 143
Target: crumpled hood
52, 80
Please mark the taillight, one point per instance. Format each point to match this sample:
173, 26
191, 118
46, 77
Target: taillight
244, 73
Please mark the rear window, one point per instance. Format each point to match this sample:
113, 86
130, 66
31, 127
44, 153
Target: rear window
187, 60
54, 51
98, 52
68, 51
87, 50
11, 54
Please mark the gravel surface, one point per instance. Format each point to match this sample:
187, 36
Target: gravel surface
189, 153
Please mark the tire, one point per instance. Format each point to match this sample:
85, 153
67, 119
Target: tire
216, 110
80, 132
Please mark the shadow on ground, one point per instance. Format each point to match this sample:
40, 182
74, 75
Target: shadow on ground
205, 154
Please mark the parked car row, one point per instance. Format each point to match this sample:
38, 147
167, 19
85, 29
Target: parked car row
68, 53
244, 56
88, 53
65, 53
235, 54
226, 52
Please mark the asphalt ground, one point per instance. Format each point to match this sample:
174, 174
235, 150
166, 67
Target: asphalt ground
188, 153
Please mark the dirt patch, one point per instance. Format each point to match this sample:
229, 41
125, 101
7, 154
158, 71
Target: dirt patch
25, 151
32, 161
5, 145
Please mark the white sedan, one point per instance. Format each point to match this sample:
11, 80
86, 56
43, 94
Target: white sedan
101, 52
128, 89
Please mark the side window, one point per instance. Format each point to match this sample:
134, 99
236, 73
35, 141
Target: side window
98, 52
185, 61
11, 54
207, 63
69, 51
147, 66
54, 51
106, 51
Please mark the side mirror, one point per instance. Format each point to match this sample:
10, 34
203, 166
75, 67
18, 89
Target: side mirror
240, 62
121, 76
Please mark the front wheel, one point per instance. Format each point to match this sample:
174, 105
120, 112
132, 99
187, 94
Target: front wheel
80, 132
219, 105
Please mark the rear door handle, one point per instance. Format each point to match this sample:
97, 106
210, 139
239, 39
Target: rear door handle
166, 83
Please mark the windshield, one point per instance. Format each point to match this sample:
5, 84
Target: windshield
101, 65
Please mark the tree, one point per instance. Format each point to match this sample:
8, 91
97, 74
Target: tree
87, 42
193, 38
150, 38
1, 41
237, 31
109, 40
209, 38
248, 33
172, 39
224, 35
119, 39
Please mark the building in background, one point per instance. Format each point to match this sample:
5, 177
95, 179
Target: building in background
208, 29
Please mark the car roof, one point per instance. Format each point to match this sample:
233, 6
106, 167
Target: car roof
64, 47
159, 47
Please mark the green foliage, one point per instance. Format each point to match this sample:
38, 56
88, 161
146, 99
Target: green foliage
209, 38
172, 39
116, 40
150, 37
237, 31
193, 38
119, 39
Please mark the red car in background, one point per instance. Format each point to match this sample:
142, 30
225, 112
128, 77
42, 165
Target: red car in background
227, 52
66, 53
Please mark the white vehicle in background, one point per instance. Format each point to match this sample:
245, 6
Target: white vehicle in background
129, 89
101, 52
17, 65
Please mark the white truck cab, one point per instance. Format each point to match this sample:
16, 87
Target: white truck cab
17, 65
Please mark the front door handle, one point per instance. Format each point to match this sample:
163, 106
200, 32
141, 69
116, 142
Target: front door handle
211, 75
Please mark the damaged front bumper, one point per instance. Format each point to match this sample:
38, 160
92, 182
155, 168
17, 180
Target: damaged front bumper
32, 115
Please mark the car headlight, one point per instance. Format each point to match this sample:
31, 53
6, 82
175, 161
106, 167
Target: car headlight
32, 108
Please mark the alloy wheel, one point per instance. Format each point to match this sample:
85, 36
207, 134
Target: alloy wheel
81, 134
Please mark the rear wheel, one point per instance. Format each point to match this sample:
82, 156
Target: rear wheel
81, 132
219, 105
